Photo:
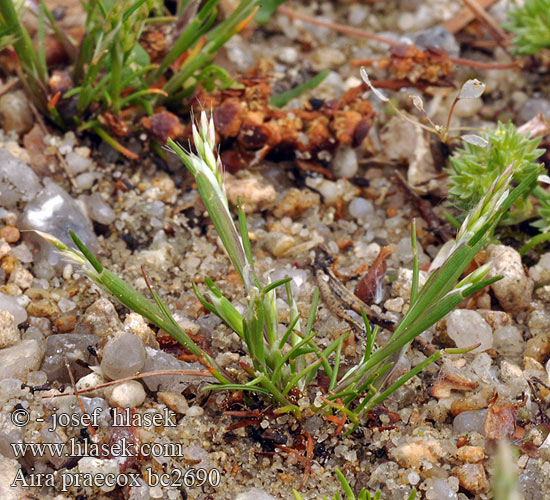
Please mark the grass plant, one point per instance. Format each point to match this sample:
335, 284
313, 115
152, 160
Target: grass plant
284, 364
110, 70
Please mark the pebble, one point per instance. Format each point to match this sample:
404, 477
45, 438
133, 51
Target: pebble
65, 324
42, 303
540, 272
72, 347
21, 277
468, 328
440, 490
101, 319
344, 163
472, 478
537, 348
136, 324
10, 233
288, 55
93, 379
123, 356
195, 411
532, 107
278, 243
76, 164
100, 467
539, 322
437, 36
254, 494
515, 289
15, 112
327, 58
470, 421
9, 333
9, 467
295, 202
508, 341
20, 359
130, 394
10, 304
415, 451
176, 402
256, 194
160, 360
470, 454
98, 209
239, 53
357, 14
18, 182
54, 211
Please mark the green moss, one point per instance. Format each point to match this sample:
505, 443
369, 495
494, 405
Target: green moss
531, 25
474, 168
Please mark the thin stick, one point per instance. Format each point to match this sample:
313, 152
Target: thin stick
287, 11
464, 17
188, 373
91, 430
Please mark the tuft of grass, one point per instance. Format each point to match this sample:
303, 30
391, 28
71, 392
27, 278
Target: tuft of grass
530, 24
474, 168
110, 70
282, 364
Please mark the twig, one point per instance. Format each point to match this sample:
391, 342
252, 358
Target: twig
464, 17
8, 86
91, 430
495, 31
336, 27
187, 373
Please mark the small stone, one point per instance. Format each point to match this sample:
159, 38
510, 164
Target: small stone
160, 360
10, 234
278, 243
440, 490
130, 394
437, 36
255, 193
76, 348
135, 323
327, 57
77, 164
17, 361
15, 112
254, 494
417, 450
227, 358
402, 286
470, 421
98, 209
176, 402
394, 305
508, 341
361, 208
468, 328
100, 467
101, 319
9, 333
88, 381
470, 454
10, 304
21, 277
344, 163
9, 469
194, 411
539, 321
42, 304
472, 478
123, 356
54, 211
65, 324
295, 202
18, 182
287, 55
538, 348
514, 290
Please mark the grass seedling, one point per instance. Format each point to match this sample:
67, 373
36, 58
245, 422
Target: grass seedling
282, 364
364, 494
